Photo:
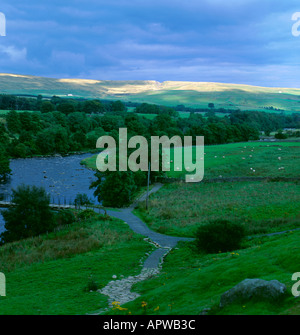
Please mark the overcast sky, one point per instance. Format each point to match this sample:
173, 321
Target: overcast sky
232, 41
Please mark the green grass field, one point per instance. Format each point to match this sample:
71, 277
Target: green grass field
262, 159
50, 274
230, 98
263, 207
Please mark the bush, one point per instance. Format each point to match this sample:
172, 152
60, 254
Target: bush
87, 214
65, 217
220, 235
280, 136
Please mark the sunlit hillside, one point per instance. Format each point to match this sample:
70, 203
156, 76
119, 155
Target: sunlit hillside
170, 93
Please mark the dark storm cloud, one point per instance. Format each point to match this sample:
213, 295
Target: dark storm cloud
237, 41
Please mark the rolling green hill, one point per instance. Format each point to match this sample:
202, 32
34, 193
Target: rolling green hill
170, 93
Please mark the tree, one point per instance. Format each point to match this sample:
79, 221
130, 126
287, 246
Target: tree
30, 216
114, 188
211, 105
82, 199
66, 108
53, 140
47, 107
92, 106
118, 106
78, 121
4, 165
13, 122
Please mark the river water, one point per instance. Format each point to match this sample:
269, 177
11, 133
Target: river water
62, 177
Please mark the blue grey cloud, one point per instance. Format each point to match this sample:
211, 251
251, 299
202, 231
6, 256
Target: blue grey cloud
235, 41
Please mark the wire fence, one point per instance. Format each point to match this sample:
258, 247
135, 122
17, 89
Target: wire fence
57, 202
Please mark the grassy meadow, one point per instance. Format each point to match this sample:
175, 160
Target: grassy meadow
263, 207
57, 273
258, 159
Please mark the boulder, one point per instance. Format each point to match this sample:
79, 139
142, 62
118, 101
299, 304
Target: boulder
258, 289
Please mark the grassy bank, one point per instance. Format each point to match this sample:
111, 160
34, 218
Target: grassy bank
191, 282
53, 274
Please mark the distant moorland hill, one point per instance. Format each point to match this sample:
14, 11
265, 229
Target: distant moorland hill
170, 93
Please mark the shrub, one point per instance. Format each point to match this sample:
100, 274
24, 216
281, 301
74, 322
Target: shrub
220, 235
87, 214
65, 217
281, 136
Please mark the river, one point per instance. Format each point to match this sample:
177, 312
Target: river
62, 177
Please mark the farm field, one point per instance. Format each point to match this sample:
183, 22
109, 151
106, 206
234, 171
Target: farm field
256, 159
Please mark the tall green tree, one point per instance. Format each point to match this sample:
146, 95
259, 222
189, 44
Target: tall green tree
30, 216
114, 188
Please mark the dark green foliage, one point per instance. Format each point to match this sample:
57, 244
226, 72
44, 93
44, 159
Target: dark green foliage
114, 188
30, 216
82, 199
20, 150
13, 122
87, 214
220, 236
280, 135
92, 285
47, 107
92, 106
66, 108
4, 165
118, 106
65, 217
63, 125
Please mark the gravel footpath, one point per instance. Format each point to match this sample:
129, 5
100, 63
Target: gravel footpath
120, 290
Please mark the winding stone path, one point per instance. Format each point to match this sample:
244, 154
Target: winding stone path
163, 242
120, 290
